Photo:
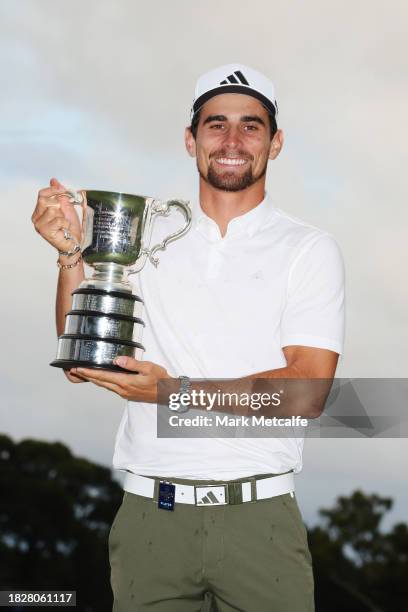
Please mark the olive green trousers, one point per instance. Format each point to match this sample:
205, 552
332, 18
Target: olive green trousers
251, 557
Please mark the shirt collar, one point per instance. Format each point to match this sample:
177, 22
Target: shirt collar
247, 224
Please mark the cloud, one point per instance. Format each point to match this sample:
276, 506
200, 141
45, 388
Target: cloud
98, 94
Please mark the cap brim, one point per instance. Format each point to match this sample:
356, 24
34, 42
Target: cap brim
239, 89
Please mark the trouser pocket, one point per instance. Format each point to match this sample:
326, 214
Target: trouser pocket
114, 527
298, 526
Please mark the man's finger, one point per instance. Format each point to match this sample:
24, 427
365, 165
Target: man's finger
48, 192
106, 385
48, 215
54, 182
137, 380
72, 372
133, 365
48, 199
107, 376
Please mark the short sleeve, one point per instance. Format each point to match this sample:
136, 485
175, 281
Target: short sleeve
314, 311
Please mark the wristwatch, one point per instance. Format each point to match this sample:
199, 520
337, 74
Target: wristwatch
185, 386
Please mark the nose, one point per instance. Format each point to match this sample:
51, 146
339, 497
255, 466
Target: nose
232, 137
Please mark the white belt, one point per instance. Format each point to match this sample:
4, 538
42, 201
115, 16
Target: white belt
215, 495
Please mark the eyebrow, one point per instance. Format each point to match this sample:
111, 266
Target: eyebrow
253, 118
244, 119
215, 118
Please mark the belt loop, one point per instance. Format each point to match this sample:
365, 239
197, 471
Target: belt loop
253, 489
156, 489
234, 493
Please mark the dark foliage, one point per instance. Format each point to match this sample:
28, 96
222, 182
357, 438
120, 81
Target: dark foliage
357, 567
56, 510
55, 515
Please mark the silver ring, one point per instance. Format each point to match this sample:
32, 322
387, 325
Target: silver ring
67, 235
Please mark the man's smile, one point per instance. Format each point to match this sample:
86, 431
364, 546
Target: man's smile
231, 161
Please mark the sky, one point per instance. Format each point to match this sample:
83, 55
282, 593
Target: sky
98, 93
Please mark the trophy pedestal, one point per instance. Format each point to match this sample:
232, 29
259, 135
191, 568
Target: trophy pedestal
100, 326
67, 364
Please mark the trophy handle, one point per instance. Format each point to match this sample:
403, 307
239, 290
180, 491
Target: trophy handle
163, 208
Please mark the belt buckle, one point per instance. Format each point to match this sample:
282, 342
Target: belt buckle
215, 495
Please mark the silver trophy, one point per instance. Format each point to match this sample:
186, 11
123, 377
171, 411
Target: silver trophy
105, 320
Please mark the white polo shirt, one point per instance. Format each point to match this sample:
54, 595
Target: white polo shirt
223, 307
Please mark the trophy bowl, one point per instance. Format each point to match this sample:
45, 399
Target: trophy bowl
105, 319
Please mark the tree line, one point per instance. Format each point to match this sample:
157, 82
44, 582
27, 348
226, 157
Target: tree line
56, 511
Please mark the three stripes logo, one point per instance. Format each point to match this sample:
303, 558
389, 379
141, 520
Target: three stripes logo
237, 78
209, 499
206, 496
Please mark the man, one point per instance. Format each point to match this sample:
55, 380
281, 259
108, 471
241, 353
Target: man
248, 293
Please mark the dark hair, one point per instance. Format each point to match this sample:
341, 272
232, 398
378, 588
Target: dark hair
196, 119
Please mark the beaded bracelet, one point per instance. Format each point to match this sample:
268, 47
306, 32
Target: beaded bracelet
69, 266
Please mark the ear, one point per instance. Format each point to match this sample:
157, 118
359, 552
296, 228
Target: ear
276, 144
190, 142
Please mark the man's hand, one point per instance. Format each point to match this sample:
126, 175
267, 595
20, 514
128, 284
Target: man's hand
138, 386
74, 378
53, 213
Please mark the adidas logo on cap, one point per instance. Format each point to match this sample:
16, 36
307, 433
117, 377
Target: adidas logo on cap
235, 78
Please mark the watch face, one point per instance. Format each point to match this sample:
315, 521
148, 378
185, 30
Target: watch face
182, 408
185, 384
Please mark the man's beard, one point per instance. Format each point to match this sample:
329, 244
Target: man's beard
231, 181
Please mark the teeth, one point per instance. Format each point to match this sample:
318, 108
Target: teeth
231, 161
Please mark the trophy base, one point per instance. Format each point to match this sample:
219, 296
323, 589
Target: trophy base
98, 325
107, 302
75, 350
67, 364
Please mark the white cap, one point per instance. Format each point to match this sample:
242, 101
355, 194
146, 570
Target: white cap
235, 78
